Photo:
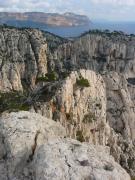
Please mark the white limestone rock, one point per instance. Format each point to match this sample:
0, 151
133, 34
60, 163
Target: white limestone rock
67, 159
21, 134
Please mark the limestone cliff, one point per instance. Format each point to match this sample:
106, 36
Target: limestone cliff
22, 58
86, 84
81, 109
113, 56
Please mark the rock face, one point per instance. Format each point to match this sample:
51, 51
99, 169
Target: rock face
120, 114
81, 110
113, 56
33, 147
22, 58
101, 53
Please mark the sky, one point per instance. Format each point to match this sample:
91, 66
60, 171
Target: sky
111, 10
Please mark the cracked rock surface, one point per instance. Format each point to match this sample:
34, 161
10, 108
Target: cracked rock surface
67, 159
34, 148
20, 134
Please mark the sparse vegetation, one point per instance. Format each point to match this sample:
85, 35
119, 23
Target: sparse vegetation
13, 101
108, 33
53, 40
82, 82
52, 76
64, 74
41, 79
89, 118
6, 26
14, 27
99, 105
79, 136
108, 167
69, 117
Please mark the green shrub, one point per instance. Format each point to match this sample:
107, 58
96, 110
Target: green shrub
41, 79
52, 76
24, 107
13, 101
64, 74
69, 117
79, 136
106, 33
82, 82
89, 118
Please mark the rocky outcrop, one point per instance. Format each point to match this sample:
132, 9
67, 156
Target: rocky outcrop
80, 109
34, 147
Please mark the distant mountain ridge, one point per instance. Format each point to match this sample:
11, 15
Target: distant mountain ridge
50, 19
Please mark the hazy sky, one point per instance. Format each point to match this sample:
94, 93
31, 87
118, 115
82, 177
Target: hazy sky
96, 9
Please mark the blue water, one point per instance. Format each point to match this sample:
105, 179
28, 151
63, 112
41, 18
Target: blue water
68, 31
60, 31
127, 27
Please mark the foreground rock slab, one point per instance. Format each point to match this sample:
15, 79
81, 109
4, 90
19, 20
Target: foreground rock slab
67, 159
20, 134
33, 147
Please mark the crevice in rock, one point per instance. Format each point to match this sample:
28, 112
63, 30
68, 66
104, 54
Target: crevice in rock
2, 64
66, 161
5, 158
69, 166
108, 167
33, 49
33, 148
84, 163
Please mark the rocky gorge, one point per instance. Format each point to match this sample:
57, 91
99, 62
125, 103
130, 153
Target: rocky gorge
86, 85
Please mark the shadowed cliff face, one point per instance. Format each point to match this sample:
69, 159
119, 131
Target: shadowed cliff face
101, 113
101, 53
